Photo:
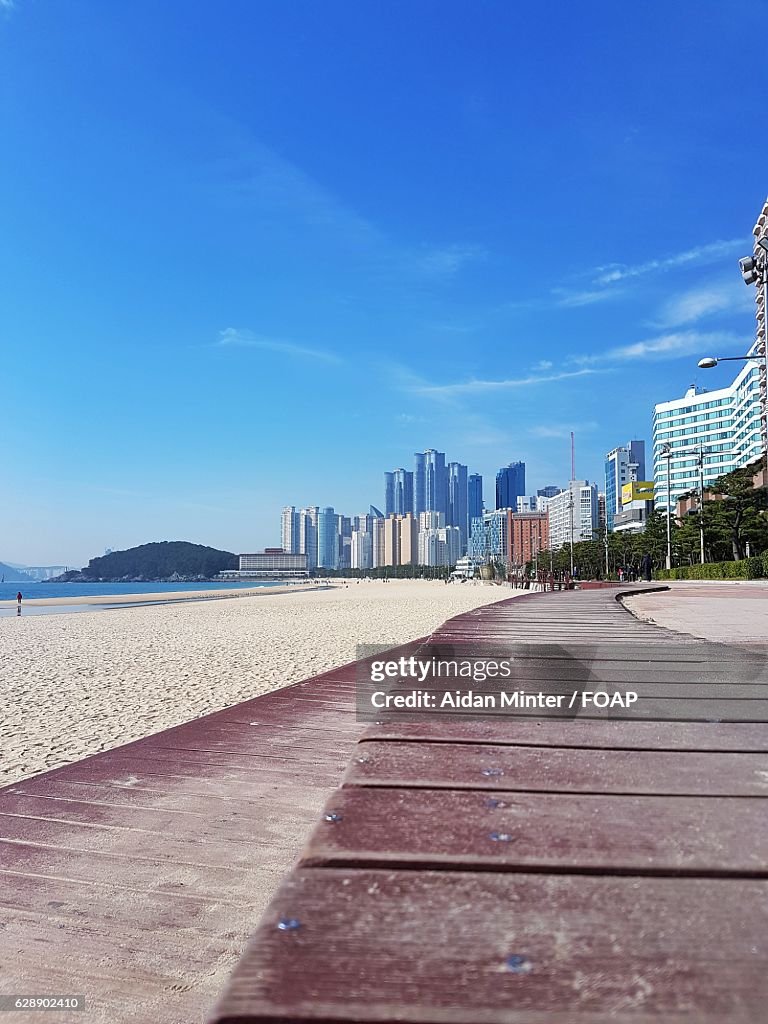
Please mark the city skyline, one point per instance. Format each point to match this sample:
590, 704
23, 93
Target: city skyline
231, 282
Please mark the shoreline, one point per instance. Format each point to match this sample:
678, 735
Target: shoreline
160, 597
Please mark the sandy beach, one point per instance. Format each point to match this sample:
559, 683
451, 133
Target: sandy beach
75, 684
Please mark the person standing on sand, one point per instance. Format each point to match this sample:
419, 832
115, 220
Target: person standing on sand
19, 599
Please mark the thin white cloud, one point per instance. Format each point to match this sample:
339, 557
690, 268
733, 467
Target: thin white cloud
445, 261
668, 346
562, 430
238, 337
710, 253
474, 387
6, 5
573, 299
723, 296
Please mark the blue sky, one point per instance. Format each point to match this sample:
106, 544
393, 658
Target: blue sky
256, 253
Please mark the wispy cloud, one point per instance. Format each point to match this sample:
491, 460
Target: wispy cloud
6, 5
238, 337
724, 296
709, 253
562, 430
445, 261
476, 387
666, 346
573, 299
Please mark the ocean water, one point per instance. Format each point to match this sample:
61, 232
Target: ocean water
8, 591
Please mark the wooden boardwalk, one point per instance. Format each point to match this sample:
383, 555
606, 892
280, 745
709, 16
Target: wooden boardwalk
539, 870
134, 877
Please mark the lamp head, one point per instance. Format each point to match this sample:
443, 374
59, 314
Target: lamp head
749, 269
708, 363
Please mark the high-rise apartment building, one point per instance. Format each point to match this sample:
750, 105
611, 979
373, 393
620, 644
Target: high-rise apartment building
573, 514
527, 503
401, 540
528, 534
361, 550
725, 423
289, 530
327, 539
435, 482
378, 546
458, 494
419, 483
489, 540
622, 465
308, 518
439, 546
474, 498
398, 492
344, 542
510, 485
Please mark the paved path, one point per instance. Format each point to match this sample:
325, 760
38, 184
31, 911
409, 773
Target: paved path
570, 868
728, 612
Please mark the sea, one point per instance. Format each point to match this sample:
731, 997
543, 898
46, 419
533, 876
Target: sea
143, 591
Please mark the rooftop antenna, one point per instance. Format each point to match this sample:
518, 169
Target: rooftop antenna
573, 458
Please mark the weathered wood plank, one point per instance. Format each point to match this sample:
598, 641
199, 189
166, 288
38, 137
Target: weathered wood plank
434, 947
466, 766
422, 828
748, 737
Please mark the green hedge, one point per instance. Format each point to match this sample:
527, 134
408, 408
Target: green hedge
754, 568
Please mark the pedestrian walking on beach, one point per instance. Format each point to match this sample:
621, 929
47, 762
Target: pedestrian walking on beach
18, 602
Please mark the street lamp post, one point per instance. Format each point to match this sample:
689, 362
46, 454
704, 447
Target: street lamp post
754, 270
666, 453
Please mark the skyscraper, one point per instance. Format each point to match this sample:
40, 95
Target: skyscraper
474, 497
398, 492
458, 501
308, 534
289, 530
419, 483
622, 465
389, 493
327, 539
510, 485
435, 482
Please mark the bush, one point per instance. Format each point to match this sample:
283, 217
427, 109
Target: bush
747, 569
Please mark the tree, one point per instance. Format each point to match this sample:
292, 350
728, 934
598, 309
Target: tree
741, 511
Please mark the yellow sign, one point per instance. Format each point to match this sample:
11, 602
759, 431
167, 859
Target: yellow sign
637, 490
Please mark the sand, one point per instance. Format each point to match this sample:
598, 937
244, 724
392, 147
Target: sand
73, 684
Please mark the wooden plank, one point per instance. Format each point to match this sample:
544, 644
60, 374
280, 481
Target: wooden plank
432, 947
467, 829
576, 732
553, 769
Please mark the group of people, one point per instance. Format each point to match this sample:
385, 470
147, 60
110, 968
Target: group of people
632, 573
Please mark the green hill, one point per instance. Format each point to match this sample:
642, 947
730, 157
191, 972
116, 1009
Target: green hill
168, 560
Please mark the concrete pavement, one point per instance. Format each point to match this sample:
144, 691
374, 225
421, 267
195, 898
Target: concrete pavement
727, 611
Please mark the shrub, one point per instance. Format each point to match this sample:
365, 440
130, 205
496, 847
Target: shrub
747, 569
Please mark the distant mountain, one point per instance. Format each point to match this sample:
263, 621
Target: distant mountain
168, 560
13, 575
